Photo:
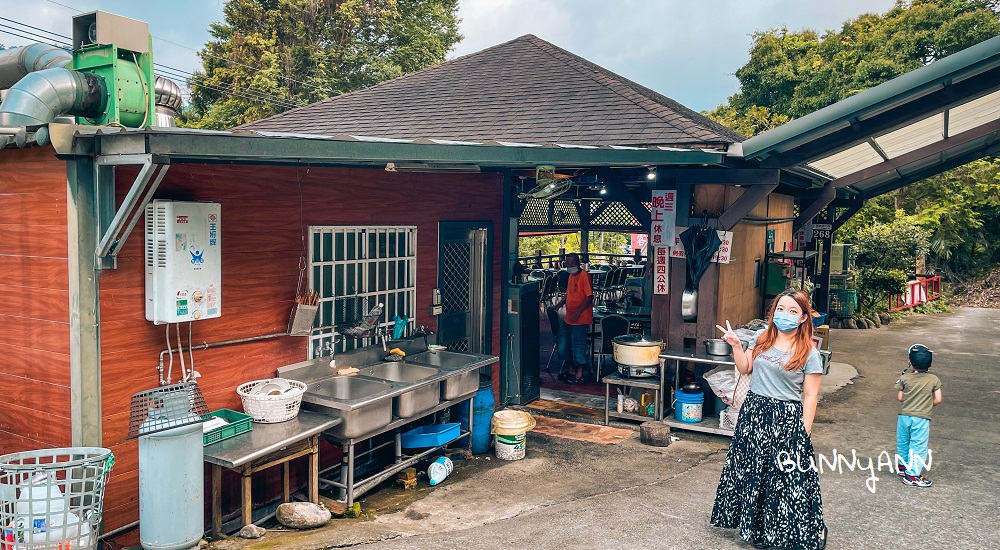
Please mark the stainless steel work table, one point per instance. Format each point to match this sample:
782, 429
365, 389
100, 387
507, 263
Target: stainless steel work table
264, 446
710, 424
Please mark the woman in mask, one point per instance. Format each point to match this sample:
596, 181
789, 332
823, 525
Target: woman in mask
769, 487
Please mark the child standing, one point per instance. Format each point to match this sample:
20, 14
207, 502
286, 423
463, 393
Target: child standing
919, 392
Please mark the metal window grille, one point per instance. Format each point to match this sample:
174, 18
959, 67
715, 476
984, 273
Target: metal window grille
355, 268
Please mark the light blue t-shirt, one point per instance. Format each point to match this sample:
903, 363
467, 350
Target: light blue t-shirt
769, 377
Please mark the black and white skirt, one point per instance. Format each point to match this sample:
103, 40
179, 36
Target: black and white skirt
760, 492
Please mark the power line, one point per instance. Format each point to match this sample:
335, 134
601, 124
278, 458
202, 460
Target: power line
178, 73
36, 28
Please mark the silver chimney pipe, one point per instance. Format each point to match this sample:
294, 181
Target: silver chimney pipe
168, 101
16, 63
43, 95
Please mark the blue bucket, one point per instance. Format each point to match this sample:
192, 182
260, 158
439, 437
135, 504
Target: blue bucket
687, 406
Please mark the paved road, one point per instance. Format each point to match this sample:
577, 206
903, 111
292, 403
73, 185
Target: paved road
572, 494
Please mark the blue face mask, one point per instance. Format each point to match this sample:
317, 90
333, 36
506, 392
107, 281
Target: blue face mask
785, 322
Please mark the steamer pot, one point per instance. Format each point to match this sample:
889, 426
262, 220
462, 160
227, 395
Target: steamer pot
718, 346
634, 350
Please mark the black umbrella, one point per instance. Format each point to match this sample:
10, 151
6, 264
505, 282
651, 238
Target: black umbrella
700, 243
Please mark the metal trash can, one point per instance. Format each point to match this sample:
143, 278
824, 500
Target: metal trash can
53, 499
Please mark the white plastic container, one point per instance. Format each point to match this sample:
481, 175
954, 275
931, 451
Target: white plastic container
439, 470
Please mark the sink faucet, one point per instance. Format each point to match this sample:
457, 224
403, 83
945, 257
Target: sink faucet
425, 333
328, 346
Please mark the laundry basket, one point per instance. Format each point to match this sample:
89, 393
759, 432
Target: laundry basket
53, 499
269, 409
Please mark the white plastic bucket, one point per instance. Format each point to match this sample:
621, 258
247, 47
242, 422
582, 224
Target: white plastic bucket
510, 447
510, 428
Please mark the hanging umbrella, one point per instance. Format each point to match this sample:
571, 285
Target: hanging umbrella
700, 243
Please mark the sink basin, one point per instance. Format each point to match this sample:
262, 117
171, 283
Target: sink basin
454, 386
442, 359
337, 396
412, 402
399, 372
347, 388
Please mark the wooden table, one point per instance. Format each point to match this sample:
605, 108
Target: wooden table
264, 446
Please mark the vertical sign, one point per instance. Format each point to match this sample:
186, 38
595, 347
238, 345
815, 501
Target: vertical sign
662, 218
660, 275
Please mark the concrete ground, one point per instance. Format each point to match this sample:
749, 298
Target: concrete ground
568, 493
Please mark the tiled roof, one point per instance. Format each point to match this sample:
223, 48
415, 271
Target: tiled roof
525, 90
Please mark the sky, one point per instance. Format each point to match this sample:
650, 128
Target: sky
687, 50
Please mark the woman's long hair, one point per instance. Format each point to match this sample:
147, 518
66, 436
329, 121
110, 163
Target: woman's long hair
802, 335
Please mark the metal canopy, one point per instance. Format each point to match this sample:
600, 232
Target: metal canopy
181, 145
918, 125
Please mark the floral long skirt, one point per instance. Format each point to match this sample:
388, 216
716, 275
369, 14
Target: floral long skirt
769, 487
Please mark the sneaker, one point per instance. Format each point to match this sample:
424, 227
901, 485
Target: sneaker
901, 469
564, 376
916, 481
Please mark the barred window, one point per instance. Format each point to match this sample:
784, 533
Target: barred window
355, 268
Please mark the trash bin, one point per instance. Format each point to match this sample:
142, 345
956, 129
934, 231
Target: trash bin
53, 499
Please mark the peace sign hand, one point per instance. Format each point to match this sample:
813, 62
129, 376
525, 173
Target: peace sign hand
729, 336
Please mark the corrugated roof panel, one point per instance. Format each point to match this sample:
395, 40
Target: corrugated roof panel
848, 161
974, 113
912, 136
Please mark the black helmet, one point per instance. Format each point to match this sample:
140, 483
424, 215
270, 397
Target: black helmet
920, 356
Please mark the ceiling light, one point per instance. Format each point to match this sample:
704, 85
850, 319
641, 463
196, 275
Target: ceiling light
604, 190
652, 173
430, 167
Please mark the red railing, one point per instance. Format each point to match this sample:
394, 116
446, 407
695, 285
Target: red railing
917, 292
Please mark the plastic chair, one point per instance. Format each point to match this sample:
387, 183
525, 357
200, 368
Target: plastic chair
601, 290
612, 326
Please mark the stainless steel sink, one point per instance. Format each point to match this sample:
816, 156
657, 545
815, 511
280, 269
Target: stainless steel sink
442, 359
355, 400
347, 388
399, 372
454, 386
419, 399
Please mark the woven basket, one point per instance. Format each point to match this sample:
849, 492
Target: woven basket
269, 409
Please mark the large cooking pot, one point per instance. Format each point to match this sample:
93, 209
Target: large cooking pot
717, 346
636, 350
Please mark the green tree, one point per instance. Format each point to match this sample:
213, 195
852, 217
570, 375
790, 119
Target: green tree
796, 73
271, 55
884, 253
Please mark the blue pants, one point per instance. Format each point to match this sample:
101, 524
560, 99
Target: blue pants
573, 337
912, 433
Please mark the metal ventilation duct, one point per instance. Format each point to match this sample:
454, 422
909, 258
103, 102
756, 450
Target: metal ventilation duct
16, 63
41, 96
168, 101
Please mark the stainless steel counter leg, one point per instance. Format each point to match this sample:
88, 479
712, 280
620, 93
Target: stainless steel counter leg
350, 474
472, 405
607, 401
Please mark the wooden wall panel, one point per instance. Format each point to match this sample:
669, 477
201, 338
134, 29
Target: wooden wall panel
34, 329
36, 303
44, 365
739, 300
33, 240
263, 217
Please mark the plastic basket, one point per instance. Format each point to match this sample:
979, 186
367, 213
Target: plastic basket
431, 435
843, 302
238, 423
53, 499
269, 409
727, 419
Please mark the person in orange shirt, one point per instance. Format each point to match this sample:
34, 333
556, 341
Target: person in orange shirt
575, 326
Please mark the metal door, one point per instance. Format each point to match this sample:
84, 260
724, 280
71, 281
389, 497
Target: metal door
463, 277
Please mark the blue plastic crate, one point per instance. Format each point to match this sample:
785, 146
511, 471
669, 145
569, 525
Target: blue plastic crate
819, 320
430, 435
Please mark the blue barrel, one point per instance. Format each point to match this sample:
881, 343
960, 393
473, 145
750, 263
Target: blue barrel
687, 407
482, 414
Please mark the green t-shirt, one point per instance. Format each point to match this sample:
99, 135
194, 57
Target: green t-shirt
918, 393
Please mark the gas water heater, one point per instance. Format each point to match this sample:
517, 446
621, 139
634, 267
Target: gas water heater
183, 261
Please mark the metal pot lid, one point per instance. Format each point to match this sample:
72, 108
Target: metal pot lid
636, 340
691, 388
